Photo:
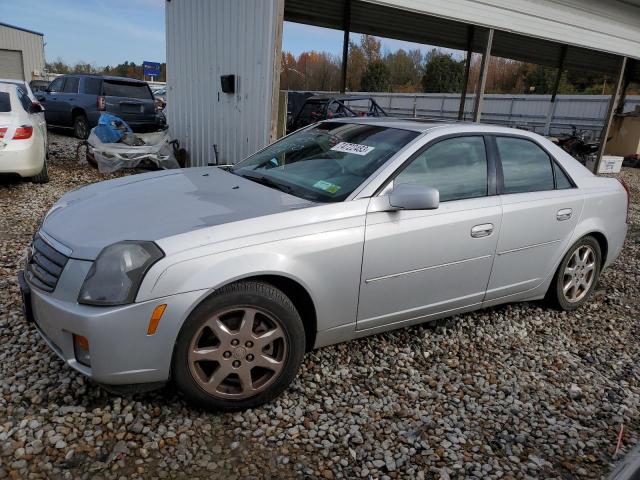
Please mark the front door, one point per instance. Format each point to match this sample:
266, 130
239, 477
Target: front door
52, 102
540, 209
421, 263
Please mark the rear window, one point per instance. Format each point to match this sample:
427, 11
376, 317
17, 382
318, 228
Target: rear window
112, 88
5, 104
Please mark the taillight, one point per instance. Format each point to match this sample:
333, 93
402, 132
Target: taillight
3, 130
23, 132
628, 190
101, 103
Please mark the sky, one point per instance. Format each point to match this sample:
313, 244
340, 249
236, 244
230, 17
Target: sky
110, 32
94, 31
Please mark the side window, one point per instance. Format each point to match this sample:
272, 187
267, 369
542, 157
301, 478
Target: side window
525, 166
457, 167
71, 85
24, 99
57, 85
92, 85
562, 181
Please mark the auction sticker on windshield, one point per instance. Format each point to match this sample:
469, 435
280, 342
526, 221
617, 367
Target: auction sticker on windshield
354, 148
327, 186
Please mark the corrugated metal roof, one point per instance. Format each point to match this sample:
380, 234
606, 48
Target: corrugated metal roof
21, 29
377, 17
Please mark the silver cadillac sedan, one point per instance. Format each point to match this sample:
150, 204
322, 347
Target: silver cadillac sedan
221, 279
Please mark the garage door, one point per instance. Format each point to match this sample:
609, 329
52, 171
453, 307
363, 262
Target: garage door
11, 64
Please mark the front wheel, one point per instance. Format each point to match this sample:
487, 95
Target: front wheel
240, 348
577, 275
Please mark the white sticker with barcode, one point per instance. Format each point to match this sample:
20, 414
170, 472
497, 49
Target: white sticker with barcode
354, 148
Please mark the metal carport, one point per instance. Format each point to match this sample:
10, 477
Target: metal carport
516, 32
595, 35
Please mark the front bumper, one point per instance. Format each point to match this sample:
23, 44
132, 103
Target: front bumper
121, 351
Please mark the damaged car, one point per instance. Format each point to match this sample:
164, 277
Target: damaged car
221, 280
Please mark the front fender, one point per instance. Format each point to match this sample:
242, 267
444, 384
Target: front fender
326, 264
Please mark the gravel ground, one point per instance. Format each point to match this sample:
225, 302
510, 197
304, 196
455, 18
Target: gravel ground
511, 392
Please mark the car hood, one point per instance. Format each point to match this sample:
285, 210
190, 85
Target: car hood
156, 205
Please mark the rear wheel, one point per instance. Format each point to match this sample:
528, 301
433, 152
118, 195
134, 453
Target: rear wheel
239, 348
81, 126
43, 176
577, 275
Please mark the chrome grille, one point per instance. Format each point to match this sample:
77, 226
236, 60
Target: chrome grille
44, 265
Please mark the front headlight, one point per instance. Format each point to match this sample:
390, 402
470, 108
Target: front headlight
116, 275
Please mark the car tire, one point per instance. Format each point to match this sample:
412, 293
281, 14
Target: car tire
81, 126
577, 276
43, 176
239, 348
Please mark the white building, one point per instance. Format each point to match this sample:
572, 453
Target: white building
21, 53
210, 38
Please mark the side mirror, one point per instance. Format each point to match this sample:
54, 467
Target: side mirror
35, 108
413, 196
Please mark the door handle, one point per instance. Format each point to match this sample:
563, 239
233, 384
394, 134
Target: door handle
483, 230
564, 214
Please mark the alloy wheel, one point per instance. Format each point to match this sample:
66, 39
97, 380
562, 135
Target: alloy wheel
238, 353
579, 274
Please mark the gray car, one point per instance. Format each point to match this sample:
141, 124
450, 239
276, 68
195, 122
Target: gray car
221, 280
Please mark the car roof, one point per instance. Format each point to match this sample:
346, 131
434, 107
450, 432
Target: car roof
21, 83
13, 81
8, 87
425, 125
103, 77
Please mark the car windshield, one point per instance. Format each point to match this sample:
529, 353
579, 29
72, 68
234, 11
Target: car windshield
327, 162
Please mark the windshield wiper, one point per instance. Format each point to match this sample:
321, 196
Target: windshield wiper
266, 181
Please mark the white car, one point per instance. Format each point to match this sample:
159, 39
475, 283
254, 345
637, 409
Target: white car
22, 135
27, 88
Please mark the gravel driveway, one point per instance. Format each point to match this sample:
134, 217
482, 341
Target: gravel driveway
507, 392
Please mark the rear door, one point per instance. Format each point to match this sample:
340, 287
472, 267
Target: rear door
541, 208
131, 101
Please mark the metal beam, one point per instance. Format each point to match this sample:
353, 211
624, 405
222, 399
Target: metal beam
556, 85
467, 68
345, 45
610, 113
484, 67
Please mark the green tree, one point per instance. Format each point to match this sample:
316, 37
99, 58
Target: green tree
404, 73
442, 74
84, 67
58, 66
371, 47
376, 77
538, 79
